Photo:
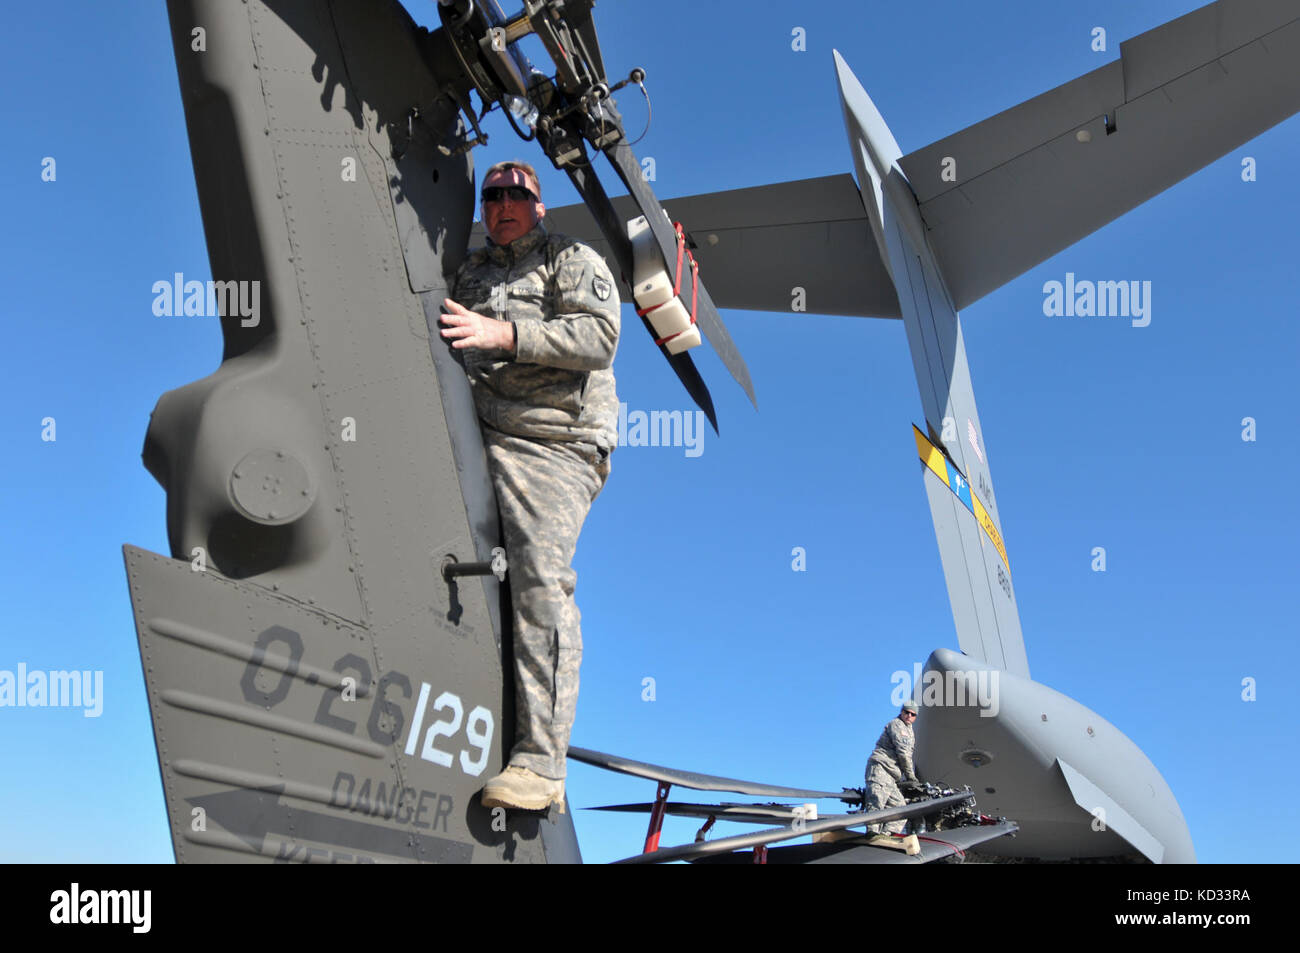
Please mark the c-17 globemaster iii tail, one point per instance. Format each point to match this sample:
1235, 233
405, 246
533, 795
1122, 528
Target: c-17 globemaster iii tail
936, 230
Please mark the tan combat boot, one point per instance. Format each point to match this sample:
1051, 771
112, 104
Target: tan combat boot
523, 789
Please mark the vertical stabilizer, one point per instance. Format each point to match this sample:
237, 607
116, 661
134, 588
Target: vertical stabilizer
956, 470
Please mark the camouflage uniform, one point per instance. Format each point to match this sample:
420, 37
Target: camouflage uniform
549, 418
890, 762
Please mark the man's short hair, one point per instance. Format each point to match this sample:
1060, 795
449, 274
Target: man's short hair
522, 166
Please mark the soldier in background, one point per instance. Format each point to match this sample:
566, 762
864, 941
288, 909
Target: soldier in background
536, 317
890, 763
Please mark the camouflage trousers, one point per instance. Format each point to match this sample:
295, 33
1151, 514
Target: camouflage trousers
882, 792
544, 489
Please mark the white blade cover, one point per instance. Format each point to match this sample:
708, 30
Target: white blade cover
1033, 180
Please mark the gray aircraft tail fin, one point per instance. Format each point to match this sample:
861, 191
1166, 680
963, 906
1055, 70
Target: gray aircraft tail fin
975, 564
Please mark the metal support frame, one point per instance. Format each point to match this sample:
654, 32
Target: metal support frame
656, 818
708, 826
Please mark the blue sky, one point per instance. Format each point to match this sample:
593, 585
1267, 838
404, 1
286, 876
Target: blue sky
1098, 433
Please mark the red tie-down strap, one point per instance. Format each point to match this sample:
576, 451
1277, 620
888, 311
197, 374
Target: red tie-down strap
682, 251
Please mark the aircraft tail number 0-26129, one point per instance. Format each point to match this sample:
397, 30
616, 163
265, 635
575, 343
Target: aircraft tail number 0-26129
386, 718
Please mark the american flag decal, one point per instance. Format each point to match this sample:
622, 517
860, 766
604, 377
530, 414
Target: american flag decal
974, 439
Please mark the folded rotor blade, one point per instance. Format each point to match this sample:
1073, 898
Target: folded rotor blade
854, 850
740, 813
614, 230
774, 835
624, 161
699, 782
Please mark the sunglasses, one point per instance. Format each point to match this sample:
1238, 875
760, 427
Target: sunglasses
515, 193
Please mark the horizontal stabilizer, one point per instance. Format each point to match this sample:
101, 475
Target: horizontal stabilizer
757, 246
1007, 193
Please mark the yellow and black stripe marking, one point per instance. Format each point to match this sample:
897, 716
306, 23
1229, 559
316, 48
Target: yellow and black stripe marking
947, 471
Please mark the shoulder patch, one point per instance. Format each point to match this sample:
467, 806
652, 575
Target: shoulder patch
566, 249
600, 287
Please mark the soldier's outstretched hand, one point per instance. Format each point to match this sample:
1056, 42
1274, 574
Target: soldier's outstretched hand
470, 329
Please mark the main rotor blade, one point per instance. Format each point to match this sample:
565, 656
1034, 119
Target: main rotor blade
854, 850
700, 782
612, 227
623, 160
775, 835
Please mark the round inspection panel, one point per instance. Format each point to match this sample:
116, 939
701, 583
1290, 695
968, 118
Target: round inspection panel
271, 487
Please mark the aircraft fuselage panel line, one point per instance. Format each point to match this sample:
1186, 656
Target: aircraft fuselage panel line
471, 467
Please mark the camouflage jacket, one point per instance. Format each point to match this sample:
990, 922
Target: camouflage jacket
894, 750
561, 297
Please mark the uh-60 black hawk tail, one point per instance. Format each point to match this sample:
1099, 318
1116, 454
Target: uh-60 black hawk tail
327, 648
